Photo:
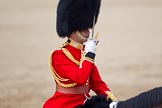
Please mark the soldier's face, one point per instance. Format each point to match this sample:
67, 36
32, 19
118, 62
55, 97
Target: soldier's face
80, 36
85, 33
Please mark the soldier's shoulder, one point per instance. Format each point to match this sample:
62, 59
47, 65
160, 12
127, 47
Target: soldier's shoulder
56, 52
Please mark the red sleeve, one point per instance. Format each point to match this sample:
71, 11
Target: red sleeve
96, 83
67, 69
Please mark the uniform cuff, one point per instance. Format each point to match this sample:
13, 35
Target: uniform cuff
90, 57
111, 96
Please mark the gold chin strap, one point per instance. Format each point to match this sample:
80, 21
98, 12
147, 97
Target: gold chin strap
81, 36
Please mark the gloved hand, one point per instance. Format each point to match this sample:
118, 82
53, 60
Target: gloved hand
113, 104
90, 45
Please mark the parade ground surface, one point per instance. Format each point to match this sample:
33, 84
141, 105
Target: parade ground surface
129, 54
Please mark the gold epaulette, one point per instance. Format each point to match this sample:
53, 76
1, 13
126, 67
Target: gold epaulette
64, 44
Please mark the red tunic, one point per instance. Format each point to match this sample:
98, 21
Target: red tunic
65, 68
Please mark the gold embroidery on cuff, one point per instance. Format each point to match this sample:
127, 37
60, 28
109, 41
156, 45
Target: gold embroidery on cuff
89, 59
111, 96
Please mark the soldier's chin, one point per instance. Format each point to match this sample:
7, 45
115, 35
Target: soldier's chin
85, 38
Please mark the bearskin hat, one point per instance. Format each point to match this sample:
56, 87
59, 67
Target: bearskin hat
73, 15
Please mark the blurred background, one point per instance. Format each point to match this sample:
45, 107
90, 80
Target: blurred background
129, 54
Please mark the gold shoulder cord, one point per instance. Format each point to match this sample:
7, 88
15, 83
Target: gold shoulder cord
54, 73
68, 55
57, 78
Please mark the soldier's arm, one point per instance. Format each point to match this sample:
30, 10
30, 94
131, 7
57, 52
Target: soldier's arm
98, 85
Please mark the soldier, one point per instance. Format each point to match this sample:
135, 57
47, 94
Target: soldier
72, 65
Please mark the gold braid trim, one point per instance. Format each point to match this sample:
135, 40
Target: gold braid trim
57, 78
111, 96
89, 59
69, 55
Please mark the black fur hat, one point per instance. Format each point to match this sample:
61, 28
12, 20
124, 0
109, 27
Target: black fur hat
73, 15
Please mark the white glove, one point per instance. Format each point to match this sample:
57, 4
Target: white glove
113, 104
90, 45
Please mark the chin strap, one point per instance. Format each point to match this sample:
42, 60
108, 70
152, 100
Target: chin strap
81, 36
